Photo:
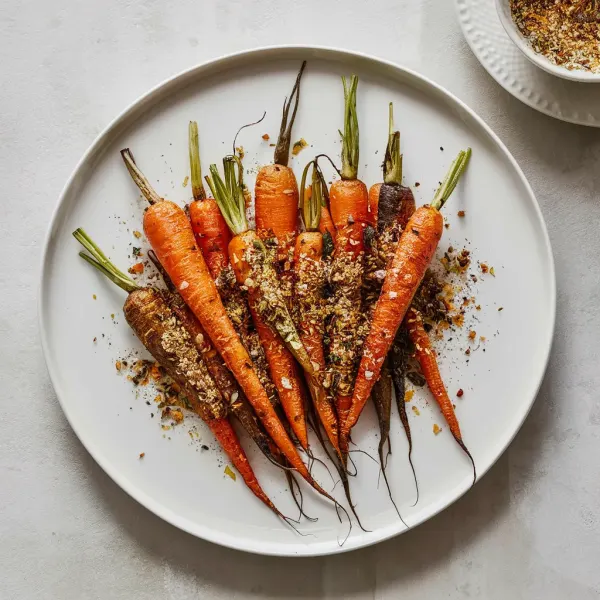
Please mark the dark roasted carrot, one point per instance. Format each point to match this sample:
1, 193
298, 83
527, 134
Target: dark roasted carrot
426, 357
170, 235
349, 210
170, 343
413, 254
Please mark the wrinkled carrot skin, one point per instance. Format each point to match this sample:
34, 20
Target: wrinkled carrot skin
170, 234
413, 254
284, 374
276, 206
309, 270
211, 233
228, 439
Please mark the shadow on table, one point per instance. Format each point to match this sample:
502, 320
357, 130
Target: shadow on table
193, 565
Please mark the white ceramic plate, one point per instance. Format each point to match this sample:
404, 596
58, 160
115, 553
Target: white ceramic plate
503, 227
570, 101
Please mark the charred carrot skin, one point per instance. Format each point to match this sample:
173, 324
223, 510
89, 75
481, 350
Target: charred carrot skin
427, 359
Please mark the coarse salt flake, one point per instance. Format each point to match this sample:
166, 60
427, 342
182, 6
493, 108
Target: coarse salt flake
368, 374
286, 383
184, 285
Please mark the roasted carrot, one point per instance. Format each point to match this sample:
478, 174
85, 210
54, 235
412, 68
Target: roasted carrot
349, 210
252, 262
169, 342
426, 357
310, 299
210, 229
276, 189
170, 235
413, 254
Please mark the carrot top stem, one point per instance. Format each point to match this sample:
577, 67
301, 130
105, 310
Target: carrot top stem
282, 149
392, 165
195, 165
139, 178
457, 168
101, 262
312, 199
350, 141
229, 194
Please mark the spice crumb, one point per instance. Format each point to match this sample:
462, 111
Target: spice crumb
436, 429
408, 395
142, 454
461, 213
118, 365
229, 472
415, 410
299, 146
137, 234
266, 137
94, 296
460, 393
185, 180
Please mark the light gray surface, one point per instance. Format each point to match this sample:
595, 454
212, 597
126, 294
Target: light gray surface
529, 529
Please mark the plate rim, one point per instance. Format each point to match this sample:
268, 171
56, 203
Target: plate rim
162, 511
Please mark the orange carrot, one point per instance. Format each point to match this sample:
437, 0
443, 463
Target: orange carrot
413, 254
170, 343
276, 189
252, 262
210, 229
349, 210
309, 295
431, 372
326, 226
170, 235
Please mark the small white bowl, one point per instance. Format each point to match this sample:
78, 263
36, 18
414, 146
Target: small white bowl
521, 42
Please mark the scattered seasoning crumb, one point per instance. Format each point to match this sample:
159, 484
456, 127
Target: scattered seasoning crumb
492, 272
112, 315
447, 225
442, 148
137, 269
185, 180
478, 307
484, 268
272, 145
94, 296
136, 251
229, 472
472, 334
415, 410
95, 339
299, 146
266, 137
468, 351
142, 454
137, 234
460, 393
436, 429
482, 338
204, 447
501, 309
417, 183
408, 395
118, 365
461, 213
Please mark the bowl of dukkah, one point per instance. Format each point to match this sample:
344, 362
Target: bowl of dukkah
562, 37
